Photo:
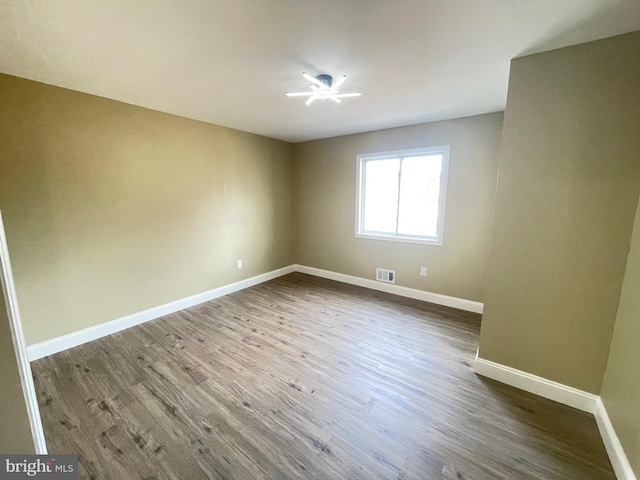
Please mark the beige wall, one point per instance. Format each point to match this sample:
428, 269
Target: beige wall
326, 182
111, 209
565, 205
621, 386
15, 432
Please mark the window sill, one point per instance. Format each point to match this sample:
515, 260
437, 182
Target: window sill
394, 238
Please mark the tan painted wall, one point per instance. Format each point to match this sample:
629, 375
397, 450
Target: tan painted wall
111, 209
15, 432
621, 386
565, 205
326, 183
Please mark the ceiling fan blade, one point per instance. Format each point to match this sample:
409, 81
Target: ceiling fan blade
311, 99
339, 82
337, 100
313, 80
343, 95
299, 94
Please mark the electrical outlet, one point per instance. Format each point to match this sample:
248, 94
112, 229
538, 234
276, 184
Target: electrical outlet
239, 262
423, 271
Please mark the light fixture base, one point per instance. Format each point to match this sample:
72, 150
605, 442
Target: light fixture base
325, 79
323, 88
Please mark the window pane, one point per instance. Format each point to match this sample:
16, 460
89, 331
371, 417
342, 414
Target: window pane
381, 195
420, 195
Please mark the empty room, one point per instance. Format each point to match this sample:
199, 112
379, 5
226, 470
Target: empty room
296, 239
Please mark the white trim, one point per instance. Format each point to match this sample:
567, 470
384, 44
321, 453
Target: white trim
540, 386
361, 159
437, 298
59, 344
389, 237
74, 339
566, 395
558, 392
24, 367
618, 458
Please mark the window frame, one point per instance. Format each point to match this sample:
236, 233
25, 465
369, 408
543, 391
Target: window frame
361, 159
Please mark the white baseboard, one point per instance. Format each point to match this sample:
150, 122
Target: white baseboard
566, 395
74, 339
525, 381
437, 298
540, 386
618, 458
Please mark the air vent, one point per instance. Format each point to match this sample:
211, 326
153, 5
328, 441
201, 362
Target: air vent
383, 275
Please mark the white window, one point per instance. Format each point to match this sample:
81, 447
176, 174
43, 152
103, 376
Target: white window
401, 195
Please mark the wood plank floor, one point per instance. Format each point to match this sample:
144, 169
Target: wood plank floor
305, 378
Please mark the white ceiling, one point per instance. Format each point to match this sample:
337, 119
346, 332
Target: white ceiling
230, 62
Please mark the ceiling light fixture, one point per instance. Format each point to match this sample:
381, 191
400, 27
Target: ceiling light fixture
323, 87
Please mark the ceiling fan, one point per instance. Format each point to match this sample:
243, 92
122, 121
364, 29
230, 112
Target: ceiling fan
323, 87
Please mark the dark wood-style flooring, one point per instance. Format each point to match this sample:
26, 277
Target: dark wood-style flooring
305, 378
